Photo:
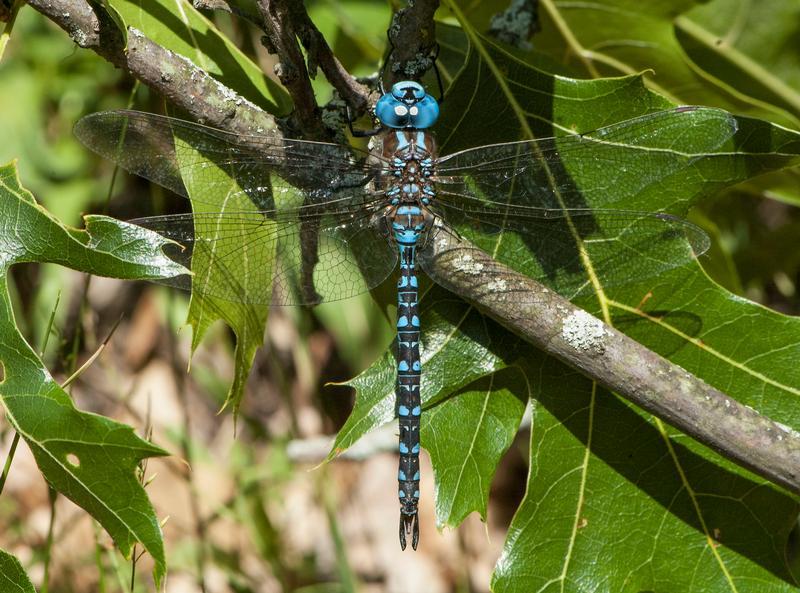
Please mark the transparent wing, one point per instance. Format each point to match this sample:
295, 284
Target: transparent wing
547, 207
175, 153
614, 248
274, 220
256, 257
626, 163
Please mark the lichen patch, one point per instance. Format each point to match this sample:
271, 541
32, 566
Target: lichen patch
584, 332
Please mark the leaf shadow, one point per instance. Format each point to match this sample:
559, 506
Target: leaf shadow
748, 515
667, 343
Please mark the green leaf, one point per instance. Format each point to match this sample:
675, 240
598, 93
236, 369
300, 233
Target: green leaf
218, 260
663, 513
574, 506
89, 458
747, 47
466, 435
606, 480
179, 27
12, 576
620, 37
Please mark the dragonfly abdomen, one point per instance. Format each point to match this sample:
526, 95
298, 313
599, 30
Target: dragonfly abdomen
407, 225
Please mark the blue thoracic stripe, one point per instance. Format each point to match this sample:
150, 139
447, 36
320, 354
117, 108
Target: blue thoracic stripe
402, 142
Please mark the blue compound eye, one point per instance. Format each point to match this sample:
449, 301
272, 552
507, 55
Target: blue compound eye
407, 106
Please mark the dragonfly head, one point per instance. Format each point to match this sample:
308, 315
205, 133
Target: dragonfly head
407, 105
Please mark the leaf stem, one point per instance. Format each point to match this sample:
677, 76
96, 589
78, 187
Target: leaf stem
5, 36
48, 546
49, 328
9, 459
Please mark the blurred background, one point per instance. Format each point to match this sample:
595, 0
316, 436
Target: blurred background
249, 507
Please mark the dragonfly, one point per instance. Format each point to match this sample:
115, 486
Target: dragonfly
294, 222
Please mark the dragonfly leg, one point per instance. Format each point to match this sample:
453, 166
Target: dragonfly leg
360, 133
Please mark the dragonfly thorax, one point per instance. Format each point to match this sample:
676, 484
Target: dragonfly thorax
408, 157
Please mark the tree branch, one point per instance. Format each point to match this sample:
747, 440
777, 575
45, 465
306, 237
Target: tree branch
175, 77
412, 35
621, 364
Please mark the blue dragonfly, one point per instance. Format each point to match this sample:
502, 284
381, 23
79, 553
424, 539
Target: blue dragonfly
294, 222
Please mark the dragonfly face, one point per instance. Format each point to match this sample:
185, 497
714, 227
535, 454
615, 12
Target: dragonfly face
407, 105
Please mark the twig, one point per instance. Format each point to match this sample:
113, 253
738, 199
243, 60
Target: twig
618, 362
291, 69
316, 449
48, 544
412, 35
319, 53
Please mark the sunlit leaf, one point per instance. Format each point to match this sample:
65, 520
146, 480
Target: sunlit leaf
89, 458
218, 260
621, 37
